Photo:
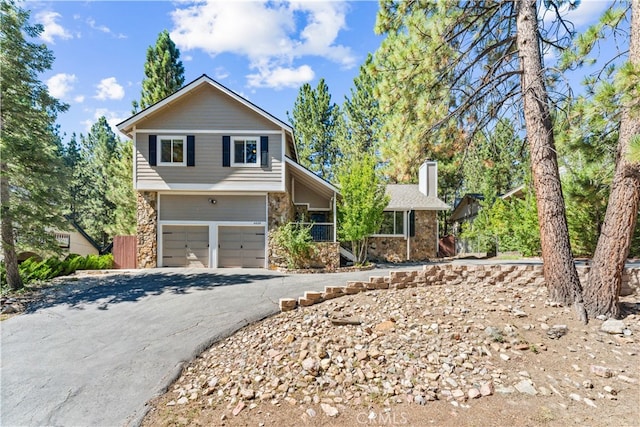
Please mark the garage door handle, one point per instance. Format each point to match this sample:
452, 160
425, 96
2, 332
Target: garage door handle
240, 246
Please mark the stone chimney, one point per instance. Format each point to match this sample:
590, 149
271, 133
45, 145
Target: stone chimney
428, 179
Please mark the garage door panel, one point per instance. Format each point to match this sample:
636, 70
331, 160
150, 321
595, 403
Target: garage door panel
185, 246
241, 247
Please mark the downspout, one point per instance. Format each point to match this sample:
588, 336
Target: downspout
335, 218
407, 233
438, 236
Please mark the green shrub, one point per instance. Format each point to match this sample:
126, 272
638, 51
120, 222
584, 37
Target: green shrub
33, 270
295, 242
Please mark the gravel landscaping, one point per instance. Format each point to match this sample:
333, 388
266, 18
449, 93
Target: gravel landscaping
465, 354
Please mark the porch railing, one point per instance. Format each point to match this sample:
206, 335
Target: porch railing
320, 231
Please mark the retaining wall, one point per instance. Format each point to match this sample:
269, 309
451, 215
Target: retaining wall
451, 274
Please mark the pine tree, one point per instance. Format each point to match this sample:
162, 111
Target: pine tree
315, 119
496, 162
31, 167
450, 70
605, 277
73, 162
362, 112
163, 70
120, 191
99, 151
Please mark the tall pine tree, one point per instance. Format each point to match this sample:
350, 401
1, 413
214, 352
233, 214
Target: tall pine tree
163, 70
362, 112
31, 164
120, 191
315, 119
451, 66
99, 151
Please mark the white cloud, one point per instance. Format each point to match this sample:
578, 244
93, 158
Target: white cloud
587, 12
220, 73
280, 77
60, 84
79, 99
104, 29
51, 28
272, 35
109, 89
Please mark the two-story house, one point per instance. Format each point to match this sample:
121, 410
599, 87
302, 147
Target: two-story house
213, 174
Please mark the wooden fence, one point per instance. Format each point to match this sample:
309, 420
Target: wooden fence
124, 251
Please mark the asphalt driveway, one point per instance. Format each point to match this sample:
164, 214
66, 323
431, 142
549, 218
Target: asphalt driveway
94, 352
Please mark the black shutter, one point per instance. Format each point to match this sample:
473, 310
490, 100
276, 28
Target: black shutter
412, 223
226, 151
264, 151
191, 150
153, 150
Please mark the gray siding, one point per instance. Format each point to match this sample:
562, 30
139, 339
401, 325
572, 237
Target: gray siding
206, 108
304, 194
198, 208
208, 168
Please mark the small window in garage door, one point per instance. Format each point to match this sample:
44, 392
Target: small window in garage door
241, 247
185, 246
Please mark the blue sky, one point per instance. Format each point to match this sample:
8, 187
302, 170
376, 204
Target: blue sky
262, 50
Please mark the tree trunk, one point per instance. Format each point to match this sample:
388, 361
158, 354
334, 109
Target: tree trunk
8, 239
605, 279
560, 272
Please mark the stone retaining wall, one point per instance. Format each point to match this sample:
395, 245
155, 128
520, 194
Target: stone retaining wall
450, 274
325, 256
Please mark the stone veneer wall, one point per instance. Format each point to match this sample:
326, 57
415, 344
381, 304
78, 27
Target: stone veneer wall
451, 275
147, 229
326, 256
281, 209
422, 245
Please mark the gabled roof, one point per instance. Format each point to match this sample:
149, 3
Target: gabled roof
409, 197
459, 213
127, 125
517, 192
311, 179
83, 233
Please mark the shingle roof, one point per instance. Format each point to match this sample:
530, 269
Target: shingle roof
407, 196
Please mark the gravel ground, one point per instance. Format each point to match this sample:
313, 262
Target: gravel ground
469, 354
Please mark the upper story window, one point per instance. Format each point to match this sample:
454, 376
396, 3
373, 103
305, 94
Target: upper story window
172, 151
245, 151
392, 223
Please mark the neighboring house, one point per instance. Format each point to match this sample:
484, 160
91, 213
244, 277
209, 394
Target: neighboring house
74, 241
409, 230
214, 174
466, 210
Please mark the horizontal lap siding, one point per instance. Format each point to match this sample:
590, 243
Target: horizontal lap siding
199, 208
208, 168
206, 108
304, 194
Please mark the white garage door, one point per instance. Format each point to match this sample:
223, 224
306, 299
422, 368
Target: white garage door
241, 247
185, 246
